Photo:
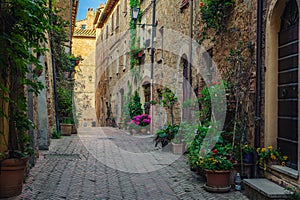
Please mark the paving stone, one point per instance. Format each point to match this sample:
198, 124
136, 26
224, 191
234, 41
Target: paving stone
84, 176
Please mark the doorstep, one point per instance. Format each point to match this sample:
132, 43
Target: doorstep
264, 189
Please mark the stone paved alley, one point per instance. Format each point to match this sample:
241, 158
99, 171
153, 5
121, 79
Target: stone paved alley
93, 165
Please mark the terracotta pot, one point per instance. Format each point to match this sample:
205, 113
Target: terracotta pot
66, 129
11, 177
218, 178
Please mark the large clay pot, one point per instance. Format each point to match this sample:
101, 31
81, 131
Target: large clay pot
217, 180
11, 177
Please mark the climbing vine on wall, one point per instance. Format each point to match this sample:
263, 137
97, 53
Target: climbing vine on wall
213, 14
132, 43
23, 26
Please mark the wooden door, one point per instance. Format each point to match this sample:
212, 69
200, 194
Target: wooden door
287, 138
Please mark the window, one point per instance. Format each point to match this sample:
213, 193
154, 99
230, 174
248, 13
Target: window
124, 56
106, 36
125, 8
117, 62
117, 17
112, 23
83, 26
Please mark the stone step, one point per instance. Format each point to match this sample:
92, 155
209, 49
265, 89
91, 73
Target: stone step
264, 189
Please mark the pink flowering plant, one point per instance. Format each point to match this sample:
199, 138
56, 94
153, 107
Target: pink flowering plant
141, 120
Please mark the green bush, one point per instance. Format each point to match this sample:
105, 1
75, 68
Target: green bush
135, 106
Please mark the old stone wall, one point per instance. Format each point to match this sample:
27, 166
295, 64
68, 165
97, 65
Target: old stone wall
83, 45
112, 63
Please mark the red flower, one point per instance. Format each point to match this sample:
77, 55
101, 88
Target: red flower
201, 4
215, 151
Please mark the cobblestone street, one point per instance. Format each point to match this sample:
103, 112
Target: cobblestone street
93, 165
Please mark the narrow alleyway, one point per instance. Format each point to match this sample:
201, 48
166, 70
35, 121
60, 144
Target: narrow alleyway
93, 165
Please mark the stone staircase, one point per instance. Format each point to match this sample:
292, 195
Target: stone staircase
264, 189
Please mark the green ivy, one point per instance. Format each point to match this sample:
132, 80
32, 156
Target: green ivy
132, 43
213, 14
24, 26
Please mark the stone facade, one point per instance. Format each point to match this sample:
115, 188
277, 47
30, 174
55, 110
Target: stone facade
83, 44
233, 50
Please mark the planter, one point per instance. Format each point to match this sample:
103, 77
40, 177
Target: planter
66, 129
133, 131
74, 129
248, 158
12, 176
217, 180
177, 148
143, 130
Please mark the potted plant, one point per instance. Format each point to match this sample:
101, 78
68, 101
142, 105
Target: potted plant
142, 120
177, 145
66, 127
166, 134
217, 165
247, 153
270, 156
194, 142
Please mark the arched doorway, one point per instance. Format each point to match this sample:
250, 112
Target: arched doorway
147, 96
287, 135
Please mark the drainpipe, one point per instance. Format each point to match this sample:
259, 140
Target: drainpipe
191, 37
257, 127
71, 25
153, 40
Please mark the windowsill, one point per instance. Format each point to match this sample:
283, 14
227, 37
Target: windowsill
286, 171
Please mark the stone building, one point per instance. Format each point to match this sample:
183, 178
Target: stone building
83, 45
112, 60
47, 121
261, 90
